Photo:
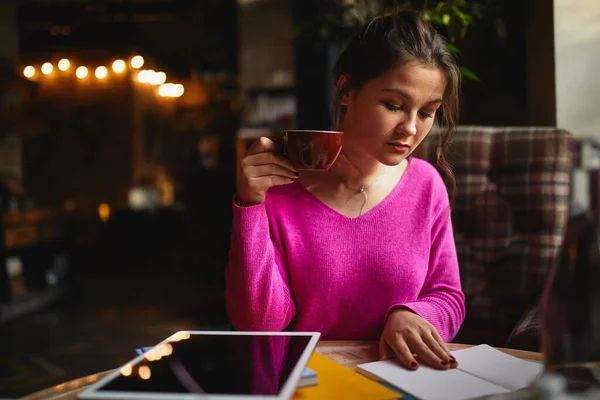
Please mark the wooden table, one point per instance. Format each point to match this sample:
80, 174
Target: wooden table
347, 353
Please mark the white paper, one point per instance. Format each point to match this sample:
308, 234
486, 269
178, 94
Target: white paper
482, 370
431, 384
495, 366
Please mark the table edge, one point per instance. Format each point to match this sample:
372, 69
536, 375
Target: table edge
78, 384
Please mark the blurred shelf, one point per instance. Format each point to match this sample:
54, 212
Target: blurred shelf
270, 90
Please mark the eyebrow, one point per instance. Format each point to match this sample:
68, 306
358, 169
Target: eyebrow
406, 96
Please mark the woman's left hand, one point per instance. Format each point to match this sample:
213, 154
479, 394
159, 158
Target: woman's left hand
410, 338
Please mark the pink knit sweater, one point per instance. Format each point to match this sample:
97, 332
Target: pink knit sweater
296, 263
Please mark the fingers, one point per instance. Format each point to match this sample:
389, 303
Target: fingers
267, 158
403, 353
385, 353
275, 180
440, 341
271, 170
414, 348
261, 169
425, 354
436, 348
262, 145
414, 340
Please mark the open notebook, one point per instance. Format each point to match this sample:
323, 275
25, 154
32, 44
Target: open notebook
482, 371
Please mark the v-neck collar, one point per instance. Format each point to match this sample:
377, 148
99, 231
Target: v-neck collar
374, 210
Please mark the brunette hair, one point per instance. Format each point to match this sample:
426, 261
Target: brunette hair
393, 39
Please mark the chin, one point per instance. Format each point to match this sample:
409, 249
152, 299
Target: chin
392, 160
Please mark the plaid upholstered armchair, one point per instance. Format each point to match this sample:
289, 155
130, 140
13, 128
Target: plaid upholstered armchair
509, 218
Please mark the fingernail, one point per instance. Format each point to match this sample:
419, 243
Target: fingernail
452, 359
414, 365
444, 363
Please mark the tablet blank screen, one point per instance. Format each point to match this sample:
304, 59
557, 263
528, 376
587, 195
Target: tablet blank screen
214, 364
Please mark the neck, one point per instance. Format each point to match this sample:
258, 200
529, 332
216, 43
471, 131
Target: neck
356, 171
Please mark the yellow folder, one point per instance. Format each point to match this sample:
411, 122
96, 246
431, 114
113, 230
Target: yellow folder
338, 382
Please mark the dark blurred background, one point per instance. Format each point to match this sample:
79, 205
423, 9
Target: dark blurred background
118, 165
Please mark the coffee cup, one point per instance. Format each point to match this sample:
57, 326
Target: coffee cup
311, 149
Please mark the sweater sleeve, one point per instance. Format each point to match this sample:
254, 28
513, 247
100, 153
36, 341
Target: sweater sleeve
257, 292
441, 300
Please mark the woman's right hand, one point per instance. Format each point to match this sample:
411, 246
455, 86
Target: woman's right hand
261, 169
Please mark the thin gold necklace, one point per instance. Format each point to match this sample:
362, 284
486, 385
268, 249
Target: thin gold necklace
363, 189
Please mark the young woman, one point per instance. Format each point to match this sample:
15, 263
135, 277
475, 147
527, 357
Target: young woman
364, 250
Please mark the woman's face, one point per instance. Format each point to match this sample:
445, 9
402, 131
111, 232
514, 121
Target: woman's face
390, 115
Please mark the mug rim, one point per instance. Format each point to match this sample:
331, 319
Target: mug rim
312, 131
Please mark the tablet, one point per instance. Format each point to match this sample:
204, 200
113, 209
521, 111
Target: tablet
212, 365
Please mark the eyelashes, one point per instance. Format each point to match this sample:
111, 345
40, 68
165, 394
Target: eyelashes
394, 108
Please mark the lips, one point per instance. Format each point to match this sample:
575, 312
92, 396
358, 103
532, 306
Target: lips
398, 145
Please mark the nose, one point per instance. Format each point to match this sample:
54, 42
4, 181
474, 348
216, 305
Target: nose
408, 125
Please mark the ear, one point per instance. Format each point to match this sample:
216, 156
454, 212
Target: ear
342, 89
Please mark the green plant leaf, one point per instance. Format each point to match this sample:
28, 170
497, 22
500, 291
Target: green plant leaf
453, 48
468, 74
435, 19
465, 18
446, 19
500, 28
452, 28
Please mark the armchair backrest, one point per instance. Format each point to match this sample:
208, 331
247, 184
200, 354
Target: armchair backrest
510, 213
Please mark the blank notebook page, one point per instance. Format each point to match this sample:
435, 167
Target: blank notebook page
431, 384
495, 366
482, 370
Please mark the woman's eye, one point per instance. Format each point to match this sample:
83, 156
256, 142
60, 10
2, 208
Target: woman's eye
391, 106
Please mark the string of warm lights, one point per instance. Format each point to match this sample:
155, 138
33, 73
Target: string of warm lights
147, 76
